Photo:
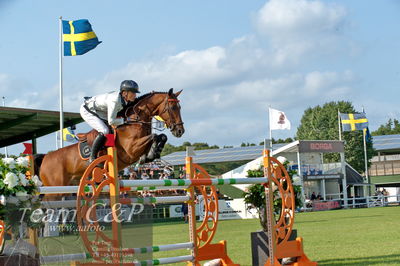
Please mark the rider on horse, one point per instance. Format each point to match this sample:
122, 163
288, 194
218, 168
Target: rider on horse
101, 109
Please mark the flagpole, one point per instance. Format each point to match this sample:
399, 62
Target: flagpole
340, 129
365, 155
269, 125
61, 84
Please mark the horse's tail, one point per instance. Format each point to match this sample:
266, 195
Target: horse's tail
37, 162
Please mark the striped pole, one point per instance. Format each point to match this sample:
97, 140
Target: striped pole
194, 182
187, 245
164, 260
159, 184
74, 189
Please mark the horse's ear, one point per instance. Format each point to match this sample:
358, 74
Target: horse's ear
177, 94
170, 92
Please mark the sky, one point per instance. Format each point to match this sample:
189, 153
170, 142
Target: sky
233, 59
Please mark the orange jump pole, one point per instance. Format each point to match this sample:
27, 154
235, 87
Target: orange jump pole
203, 234
280, 230
100, 173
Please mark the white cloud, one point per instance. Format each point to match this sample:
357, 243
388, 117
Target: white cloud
284, 20
227, 89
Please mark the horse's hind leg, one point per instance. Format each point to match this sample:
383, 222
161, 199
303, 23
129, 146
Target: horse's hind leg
52, 177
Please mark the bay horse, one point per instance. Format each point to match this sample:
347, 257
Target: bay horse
133, 139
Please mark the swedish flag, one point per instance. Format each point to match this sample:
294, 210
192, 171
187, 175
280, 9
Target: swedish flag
78, 37
69, 135
352, 122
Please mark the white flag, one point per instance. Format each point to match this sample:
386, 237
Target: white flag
278, 120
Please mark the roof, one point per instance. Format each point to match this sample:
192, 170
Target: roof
291, 147
19, 124
219, 155
386, 143
386, 181
380, 143
352, 176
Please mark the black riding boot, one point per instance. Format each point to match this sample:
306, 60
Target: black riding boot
97, 145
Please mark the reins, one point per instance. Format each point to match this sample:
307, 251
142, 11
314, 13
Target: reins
167, 108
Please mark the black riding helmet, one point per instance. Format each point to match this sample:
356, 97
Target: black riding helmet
129, 85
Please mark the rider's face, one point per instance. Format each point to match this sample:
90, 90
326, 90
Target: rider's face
130, 96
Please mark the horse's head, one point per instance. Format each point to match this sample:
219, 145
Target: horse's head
169, 110
162, 104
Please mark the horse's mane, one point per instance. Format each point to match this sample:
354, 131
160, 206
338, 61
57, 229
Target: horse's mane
137, 100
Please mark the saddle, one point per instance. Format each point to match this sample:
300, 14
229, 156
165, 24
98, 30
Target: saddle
85, 142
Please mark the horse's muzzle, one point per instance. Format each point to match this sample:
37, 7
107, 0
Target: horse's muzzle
178, 131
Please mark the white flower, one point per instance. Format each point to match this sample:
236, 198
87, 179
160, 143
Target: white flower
36, 180
281, 159
21, 194
2, 200
23, 180
23, 161
10, 162
296, 180
11, 180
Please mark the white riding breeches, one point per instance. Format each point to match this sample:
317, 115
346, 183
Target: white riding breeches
93, 121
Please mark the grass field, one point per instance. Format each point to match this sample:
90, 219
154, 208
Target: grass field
340, 237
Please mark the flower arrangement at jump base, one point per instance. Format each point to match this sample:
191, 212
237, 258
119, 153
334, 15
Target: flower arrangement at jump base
18, 194
255, 194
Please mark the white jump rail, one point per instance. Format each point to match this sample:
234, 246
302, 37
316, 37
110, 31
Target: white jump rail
164, 260
160, 184
74, 189
160, 248
106, 202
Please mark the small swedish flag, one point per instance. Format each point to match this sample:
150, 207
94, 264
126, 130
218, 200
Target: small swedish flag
69, 135
352, 122
78, 37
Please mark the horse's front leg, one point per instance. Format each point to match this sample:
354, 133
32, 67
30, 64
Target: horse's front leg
156, 148
132, 150
147, 148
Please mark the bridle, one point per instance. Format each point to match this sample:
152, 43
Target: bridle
167, 109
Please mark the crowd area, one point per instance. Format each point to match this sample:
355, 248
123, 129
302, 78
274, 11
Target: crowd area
152, 171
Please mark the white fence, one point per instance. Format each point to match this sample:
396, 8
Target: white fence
361, 202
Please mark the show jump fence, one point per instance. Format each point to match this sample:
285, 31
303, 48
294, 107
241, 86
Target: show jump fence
105, 250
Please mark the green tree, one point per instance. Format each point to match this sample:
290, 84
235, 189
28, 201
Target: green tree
168, 148
321, 123
255, 195
247, 144
391, 127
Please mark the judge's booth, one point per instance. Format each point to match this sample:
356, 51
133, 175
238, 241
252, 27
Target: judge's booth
325, 180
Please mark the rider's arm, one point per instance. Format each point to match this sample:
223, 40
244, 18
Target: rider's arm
112, 110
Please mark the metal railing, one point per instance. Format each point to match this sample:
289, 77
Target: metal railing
364, 202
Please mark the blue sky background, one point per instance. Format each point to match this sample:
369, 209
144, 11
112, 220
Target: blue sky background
232, 59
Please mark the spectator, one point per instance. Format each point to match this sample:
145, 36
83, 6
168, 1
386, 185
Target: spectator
313, 196
185, 211
151, 174
126, 172
133, 176
145, 176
